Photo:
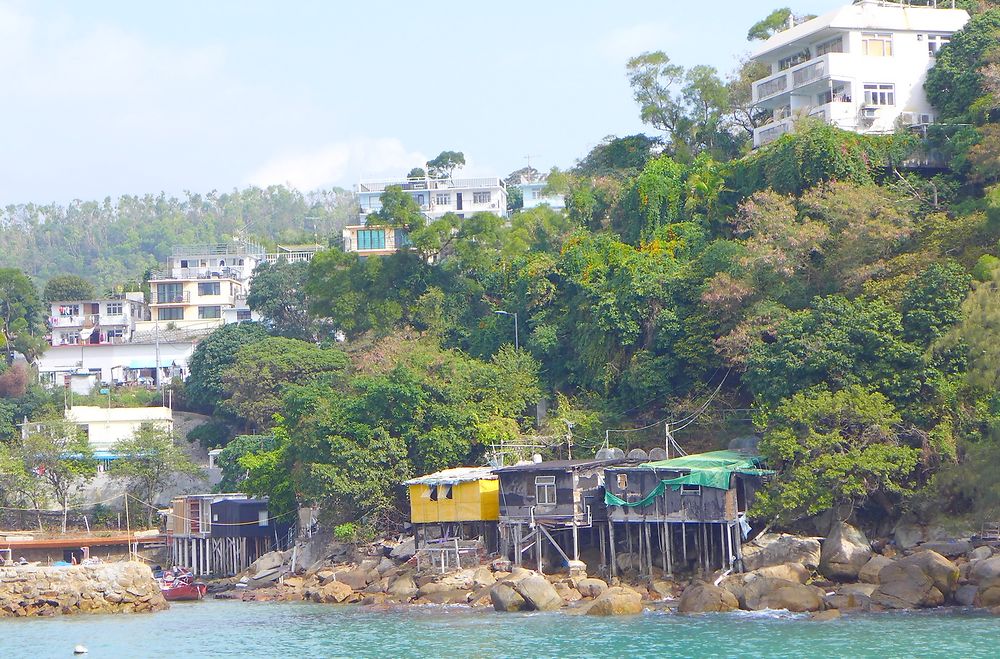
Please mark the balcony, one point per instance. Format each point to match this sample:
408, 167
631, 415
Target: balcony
177, 298
800, 77
88, 320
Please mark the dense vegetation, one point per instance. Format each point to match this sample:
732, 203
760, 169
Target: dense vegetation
851, 302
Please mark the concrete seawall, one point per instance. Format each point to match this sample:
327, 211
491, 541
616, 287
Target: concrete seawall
126, 587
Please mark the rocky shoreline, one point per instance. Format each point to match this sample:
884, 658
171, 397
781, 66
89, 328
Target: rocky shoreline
820, 576
126, 587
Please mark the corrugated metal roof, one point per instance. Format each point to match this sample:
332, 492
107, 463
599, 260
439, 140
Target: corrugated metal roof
456, 475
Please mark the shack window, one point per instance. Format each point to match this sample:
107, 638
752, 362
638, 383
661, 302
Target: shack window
545, 490
434, 492
622, 481
691, 490
447, 491
262, 518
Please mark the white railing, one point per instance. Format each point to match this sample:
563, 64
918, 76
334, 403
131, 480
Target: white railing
771, 87
808, 73
432, 184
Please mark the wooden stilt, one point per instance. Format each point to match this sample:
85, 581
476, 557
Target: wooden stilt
649, 550
684, 543
669, 554
611, 543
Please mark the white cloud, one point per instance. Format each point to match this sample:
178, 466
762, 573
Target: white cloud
340, 163
624, 42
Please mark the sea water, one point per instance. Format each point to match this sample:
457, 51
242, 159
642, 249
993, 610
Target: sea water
215, 628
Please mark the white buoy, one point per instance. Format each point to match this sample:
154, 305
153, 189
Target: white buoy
80, 649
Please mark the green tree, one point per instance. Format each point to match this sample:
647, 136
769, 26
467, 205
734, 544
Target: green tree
416, 172
833, 449
955, 84
445, 163
148, 462
63, 288
932, 302
255, 382
20, 315
978, 332
212, 356
656, 84
278, 294
59, 453
766, 28
399, 209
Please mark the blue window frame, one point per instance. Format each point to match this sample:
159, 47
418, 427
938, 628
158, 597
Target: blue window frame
403, 238
371, 239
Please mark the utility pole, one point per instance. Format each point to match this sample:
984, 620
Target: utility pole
569, 438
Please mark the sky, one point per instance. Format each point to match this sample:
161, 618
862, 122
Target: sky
106, 97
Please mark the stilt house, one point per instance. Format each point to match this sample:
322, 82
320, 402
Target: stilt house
551, 508
219, 534
454, 503
685, 512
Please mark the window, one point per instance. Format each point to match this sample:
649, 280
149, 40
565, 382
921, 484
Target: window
262, 518
170, 313
210, 312
442, 199
447, 491
71, 338
371, 239
433, 492
69, 310
480, 197
209, 288
169, 293
184, 263
880, 94
403, 238
537, 194
215, 517
242, 314
115, 334
420, 200
622, 481
793, 60
838, 93
831, 46
545, 490
934, 43
876, 44
691, 490
114, 308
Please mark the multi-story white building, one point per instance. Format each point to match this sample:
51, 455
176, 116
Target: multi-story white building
96, 322
436, 198
861, 67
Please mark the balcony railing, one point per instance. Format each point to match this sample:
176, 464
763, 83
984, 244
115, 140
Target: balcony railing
809, 73
432, 184
177, 298
769, 88
89, 320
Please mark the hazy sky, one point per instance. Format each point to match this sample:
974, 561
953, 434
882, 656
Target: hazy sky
102, 98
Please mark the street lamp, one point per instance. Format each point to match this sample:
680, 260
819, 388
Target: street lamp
505, 313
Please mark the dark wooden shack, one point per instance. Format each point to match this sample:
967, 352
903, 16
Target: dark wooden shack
683, 512
241, 518
551, 504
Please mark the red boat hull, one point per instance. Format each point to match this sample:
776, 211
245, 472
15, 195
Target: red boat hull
184, 592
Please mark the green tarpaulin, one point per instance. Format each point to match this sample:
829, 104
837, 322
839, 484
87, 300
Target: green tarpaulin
712, 469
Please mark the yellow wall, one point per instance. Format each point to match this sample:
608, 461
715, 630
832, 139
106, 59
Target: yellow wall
472, 501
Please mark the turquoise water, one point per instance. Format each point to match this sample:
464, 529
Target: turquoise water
246, 629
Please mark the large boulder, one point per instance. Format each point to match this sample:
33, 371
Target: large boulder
988, 594
591, 587
948, 548
538, 593
334, 592
482, 578
781, 548
616, 601
770, 593
794, 597
269, 561
404, 551
403, 588
980, 553
506, 599
966, 595
844, 552
356, 579
906, 586
985, 570
701, 597
789, 572
942, 572
869, 573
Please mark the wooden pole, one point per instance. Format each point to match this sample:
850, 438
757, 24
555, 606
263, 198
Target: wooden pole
684, 543
670, 559
611, 544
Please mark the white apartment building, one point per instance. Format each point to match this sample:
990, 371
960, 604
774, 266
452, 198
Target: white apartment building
861, 67
435, 196
96, 322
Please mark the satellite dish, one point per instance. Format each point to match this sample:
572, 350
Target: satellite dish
604, 454
638, 454
657, 454
617, 454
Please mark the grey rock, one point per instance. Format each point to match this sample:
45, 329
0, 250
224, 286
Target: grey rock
966, 595
506, 599
781, 548
950, 549
701, 597
980, 553
869, 573
539, 593
844, 552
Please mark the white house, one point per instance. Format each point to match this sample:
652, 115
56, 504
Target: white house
98, 321
533, 193
861, 67
435, 196
83, 366
105, 426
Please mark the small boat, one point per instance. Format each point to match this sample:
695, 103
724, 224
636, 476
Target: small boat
180, 586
